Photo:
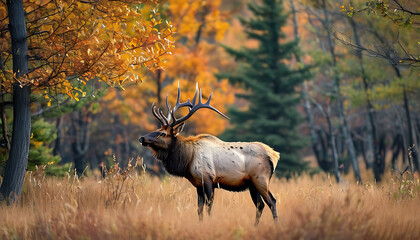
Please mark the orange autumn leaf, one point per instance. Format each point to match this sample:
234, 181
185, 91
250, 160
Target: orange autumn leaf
106, 40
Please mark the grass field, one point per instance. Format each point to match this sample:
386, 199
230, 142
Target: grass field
145, 207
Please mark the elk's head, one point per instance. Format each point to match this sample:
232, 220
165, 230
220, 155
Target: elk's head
163, 138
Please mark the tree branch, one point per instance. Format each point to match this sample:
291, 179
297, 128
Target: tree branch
404, 9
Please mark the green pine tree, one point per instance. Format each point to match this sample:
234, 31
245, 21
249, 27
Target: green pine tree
40, 154
272, 116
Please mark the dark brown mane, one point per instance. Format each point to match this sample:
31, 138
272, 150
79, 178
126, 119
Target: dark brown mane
177, 158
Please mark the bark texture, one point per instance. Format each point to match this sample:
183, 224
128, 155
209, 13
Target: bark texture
14, 175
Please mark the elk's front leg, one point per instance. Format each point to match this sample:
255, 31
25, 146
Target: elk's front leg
200, 202
209, 194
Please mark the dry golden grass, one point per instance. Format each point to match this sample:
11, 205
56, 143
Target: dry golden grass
150, 208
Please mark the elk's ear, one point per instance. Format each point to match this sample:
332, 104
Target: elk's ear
178, 129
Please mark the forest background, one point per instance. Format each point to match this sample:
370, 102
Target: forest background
332, 85
359, 104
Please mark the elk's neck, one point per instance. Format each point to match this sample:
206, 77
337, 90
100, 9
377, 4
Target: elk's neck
178, 158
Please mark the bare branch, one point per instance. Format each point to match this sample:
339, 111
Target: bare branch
404, 9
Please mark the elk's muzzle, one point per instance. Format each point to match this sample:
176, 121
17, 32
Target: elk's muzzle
143, 141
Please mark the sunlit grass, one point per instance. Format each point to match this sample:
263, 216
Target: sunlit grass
153, 208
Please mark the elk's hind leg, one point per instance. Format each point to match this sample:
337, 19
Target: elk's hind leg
261, 184
273, 207
256, 198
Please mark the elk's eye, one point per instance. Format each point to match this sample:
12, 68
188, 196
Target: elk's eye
162, 135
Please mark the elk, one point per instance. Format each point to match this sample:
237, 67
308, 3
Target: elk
208, 162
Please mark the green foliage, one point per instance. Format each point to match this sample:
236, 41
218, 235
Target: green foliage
272, 116
62, 104
381, 8
43, 133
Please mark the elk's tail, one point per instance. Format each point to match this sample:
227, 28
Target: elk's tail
273, 156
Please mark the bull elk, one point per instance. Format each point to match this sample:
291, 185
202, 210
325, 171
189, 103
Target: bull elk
208, 162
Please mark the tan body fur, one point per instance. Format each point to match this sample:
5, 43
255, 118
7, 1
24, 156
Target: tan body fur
230, 165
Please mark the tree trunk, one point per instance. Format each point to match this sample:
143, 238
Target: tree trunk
334, 150
317, 142
372, 139
364, 156
58, 146
404, 141
80, 163
382, 152
411, 138
159, 86
410, 127
396, 148
372, 152
80, 141
413, 155
14, 174
370, 146
417, 130
5, 142
294, 18
332, 142
341, 117
126, 144
359, 143
349, 142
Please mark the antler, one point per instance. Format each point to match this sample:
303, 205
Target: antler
159, 114
171, 120
192, 106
